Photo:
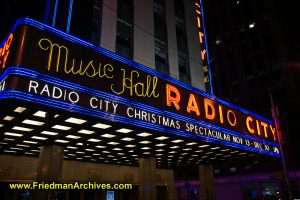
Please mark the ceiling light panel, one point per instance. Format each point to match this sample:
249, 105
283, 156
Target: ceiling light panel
162, 138
39, 138
19, 109
73, 137
124, 130
61, 127
94, 140
145, 142
107, 135
127, 139
177, 141
101, 126
88, 132
49, 133
75, 120
8, 118
62, 141
40, 114
19, 128
203, 146
144, 134
13, 134
29, 142
113, 143
33, 122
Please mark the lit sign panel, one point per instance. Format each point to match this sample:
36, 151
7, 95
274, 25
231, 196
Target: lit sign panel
203, 45
59, 70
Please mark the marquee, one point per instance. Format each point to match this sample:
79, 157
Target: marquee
46, 66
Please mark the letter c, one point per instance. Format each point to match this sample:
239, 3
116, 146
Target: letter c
91, 102
249, 119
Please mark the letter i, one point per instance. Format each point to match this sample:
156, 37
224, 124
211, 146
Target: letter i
258, 128
221, 114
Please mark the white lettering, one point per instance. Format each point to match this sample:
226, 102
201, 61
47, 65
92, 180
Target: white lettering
34, 85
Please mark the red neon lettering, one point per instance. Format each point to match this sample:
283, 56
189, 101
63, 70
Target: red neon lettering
201, 37
221, 114
4, 51
203, 53
192, 105
273, 132
265, 125
258, 128
199, 22
228, 118
249, 119
209, 103
173, 99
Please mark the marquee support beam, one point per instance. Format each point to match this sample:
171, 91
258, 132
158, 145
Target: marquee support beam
147, 182
207, 189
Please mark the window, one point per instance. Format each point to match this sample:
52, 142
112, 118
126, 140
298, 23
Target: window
96, 24
160, 31
232, 67
179, 13
125, 10
248, 67
161, 57
182, 46
86, 20
183, 64
181, 40
160, 34
259, 62
159, 7
272, 57
124, 39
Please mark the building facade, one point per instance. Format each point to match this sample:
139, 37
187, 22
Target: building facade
153, 33
254, 52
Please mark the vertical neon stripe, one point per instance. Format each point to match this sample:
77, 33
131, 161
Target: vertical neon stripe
207, 54
69, 16
54, 14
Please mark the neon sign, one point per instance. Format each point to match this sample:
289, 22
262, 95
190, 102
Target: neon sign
4, 51
64, 72
204, 56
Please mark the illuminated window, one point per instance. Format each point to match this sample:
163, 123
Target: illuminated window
252, 25
218, 42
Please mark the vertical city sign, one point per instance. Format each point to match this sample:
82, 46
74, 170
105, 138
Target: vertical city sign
204, 51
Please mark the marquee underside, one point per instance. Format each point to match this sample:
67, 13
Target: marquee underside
26, 127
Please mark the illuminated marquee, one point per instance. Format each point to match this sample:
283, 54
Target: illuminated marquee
54, 67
